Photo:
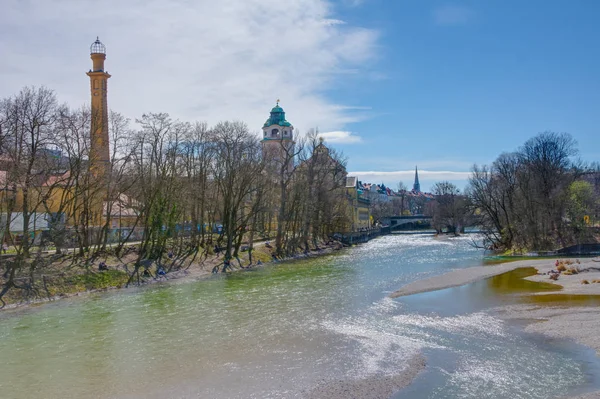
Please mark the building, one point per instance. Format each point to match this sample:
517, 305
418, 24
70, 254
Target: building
99, 140
377, 193
119, 209
416, 185
278, 141
360, 206
99, 156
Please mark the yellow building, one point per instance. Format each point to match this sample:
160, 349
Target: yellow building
359, 205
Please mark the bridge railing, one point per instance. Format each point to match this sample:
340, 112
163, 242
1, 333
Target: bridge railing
357, 237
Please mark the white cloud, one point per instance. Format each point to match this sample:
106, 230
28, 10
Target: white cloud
407, 176
423, 174
449, 15
341, 137
198, 60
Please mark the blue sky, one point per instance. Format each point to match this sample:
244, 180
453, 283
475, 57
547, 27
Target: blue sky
393, 84
459, 82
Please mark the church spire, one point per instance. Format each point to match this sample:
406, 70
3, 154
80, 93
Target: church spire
417, 185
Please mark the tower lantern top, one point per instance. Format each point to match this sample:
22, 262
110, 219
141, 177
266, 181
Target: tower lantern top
277, 117
97, 47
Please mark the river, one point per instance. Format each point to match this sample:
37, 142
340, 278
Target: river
278, 331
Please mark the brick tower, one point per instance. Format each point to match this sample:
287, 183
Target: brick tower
99, 143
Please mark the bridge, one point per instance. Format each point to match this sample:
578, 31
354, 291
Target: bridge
399, 222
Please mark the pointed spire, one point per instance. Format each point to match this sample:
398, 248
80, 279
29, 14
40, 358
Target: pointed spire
417, 185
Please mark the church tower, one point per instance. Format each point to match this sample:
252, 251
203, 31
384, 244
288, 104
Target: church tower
278, 138
99, 143
417, 185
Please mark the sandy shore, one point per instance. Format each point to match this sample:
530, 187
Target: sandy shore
460, 277
571, 284
580, 324
375, 387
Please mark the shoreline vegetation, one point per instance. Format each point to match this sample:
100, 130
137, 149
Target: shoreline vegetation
65, 279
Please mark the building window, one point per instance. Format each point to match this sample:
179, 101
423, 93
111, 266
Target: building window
96, 86
274, 132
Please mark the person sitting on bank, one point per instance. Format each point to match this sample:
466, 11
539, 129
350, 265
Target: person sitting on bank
102, 266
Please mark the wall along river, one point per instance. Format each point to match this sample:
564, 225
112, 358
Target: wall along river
282, 330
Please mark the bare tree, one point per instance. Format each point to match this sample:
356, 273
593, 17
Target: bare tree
523, 198
236, 171
28, 126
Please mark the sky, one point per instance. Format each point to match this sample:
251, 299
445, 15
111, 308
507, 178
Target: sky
391, 83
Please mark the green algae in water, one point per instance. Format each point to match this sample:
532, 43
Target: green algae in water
514, 282
563, 299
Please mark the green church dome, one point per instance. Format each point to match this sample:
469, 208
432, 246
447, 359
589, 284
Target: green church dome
277, 117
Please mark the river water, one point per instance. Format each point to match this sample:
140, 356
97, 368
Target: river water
278, 331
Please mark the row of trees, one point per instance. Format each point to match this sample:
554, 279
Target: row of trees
178, 180
539, 197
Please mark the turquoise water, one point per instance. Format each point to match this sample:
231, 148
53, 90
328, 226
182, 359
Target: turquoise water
276, 332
